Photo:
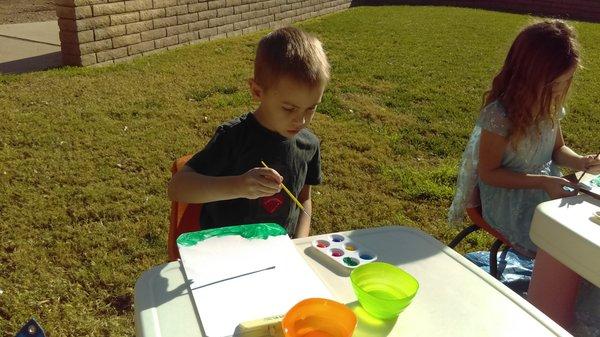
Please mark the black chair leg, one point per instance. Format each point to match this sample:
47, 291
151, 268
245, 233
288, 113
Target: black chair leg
494, 258
462, 235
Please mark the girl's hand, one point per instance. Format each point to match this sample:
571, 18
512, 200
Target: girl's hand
260, 182
591, 164
554, 186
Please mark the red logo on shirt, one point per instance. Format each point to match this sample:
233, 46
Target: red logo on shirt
272, 203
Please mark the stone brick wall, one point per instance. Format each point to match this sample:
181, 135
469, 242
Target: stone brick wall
588, 10
106, 31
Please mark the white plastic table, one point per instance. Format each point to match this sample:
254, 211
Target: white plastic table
455, 297
568, 236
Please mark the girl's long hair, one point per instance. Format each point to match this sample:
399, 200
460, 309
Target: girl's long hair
541, 52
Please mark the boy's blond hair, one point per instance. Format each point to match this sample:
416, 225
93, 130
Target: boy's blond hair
291, 52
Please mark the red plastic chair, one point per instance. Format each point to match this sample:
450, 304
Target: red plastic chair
184, 217
475, 216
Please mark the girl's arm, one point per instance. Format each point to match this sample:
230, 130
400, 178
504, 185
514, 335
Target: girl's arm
191, 187
491, 171
562, 155
303, 227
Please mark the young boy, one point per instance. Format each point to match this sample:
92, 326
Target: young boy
290, 73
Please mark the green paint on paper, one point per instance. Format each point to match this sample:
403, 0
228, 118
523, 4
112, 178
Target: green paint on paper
595, 181
252, 231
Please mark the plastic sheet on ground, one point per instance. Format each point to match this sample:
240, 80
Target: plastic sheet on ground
515, 269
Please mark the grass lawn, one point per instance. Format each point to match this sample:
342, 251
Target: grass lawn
85, 153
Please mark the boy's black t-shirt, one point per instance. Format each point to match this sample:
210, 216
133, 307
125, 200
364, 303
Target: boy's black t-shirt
238, 146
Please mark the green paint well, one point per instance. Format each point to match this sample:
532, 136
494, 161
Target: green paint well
349, 261
252, 231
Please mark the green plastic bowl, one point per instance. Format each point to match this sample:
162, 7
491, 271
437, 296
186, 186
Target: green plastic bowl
383, 289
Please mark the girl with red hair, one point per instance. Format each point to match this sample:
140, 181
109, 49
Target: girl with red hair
511, 162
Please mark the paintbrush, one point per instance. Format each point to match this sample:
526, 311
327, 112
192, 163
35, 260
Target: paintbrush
291, 195
233, 277
585, 171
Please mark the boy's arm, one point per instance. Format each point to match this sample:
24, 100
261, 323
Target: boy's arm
192, 187
303, 227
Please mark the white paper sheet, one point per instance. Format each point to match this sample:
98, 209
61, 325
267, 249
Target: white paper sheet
224, 300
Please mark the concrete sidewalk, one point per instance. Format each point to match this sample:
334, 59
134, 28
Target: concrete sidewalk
29, 47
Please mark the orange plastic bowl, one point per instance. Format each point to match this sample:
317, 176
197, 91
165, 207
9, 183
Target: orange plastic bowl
319, 317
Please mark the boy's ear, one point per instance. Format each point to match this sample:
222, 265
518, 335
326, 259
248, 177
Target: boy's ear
255, 89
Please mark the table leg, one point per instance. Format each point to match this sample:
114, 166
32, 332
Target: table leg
553, 289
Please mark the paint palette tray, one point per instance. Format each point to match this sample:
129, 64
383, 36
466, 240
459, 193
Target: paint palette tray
342, 252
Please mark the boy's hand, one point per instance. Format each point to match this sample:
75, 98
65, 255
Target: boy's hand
591, 164
558, 187
260, 182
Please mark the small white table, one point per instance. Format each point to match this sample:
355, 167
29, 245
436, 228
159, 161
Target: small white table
568, 237
455, 297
